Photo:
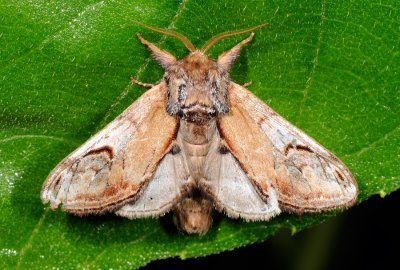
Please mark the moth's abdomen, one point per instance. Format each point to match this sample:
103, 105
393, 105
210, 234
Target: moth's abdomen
193, 215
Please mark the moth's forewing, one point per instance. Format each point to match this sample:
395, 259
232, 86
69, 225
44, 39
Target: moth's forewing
114, 166
277, 155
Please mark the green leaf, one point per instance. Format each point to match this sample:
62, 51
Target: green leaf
332, 68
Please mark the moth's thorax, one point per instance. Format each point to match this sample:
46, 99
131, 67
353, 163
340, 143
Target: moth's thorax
196, 86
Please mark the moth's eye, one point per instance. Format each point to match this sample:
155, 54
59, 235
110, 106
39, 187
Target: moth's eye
182, 87
166, 78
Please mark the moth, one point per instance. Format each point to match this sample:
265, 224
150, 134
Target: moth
195, 142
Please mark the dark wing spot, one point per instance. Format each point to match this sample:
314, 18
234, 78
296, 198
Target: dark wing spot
304, 148
287, 148
175, 149
262, 120
57, 180
223, 150
107, 149
339, 175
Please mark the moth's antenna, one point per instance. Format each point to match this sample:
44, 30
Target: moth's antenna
220, 36
181, 37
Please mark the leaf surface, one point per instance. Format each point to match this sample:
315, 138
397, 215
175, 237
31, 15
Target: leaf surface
331, 68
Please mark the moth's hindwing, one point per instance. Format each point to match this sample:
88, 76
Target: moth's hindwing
169, 182
231, 189
277, 155
114, 166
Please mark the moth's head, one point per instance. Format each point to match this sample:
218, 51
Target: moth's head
197, 83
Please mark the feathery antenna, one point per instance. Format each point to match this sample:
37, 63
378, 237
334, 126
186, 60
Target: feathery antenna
181, 37
220, 36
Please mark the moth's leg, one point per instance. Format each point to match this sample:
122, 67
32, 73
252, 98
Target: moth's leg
247, 84
148, 85
163, 57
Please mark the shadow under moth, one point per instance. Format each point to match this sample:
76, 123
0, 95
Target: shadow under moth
196, 142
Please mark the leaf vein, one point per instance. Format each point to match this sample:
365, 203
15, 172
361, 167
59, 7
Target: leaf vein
28, 244
315, 61
372, 144
34, 136
45, 40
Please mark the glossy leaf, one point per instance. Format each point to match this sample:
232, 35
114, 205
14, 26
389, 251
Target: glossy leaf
331, 68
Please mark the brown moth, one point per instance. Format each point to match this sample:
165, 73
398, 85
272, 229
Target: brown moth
196, 142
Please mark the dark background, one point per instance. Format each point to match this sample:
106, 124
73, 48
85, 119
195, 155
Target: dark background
363, 237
